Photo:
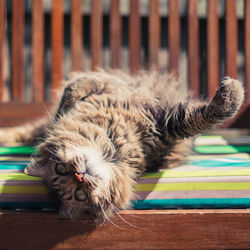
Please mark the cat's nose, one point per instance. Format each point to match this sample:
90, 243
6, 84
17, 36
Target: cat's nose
79, 177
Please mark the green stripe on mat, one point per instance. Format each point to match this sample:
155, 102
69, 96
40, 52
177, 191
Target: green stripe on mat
193, 186
221, 149
23, 190
18, 177
199, 173
193, 203
17, 150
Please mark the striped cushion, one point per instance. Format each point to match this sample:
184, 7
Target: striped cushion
217, 176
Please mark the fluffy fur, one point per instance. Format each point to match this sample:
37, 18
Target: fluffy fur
109, 127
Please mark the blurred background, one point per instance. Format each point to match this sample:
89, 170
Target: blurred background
199, 41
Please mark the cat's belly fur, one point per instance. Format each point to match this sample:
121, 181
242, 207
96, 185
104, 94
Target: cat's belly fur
124, 132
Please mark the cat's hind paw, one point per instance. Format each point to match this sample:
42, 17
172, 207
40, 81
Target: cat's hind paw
229, 97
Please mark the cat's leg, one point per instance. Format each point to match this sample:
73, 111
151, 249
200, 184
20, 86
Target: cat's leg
80, 89
191, 118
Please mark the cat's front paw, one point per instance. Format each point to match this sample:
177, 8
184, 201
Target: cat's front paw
228, 97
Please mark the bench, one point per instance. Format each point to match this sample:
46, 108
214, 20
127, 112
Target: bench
182, 228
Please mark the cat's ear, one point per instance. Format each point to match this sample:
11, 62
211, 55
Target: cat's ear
36, 168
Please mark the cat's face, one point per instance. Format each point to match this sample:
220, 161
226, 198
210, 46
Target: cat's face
83, 181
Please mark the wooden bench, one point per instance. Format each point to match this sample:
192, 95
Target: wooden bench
149, 229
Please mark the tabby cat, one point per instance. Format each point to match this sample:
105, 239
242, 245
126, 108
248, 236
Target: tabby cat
109, 127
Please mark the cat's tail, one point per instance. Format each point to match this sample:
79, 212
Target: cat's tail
28, 134
191, 118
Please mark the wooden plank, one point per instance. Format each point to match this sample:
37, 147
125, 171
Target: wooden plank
38, 50
96, 34
17, 50
174, 36
154, 34
57, 46
231, 38
134, 36
247, 50
2, 41
212, 48
163, 229
193, 47
12, 114
115, 34
76, 35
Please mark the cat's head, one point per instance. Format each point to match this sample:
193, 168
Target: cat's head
83, 179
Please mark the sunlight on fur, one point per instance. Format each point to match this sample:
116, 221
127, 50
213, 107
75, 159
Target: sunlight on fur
109, 127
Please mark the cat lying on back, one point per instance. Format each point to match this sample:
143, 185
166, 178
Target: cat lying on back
109, 128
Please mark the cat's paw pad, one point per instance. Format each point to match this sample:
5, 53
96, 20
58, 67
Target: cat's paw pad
229, 96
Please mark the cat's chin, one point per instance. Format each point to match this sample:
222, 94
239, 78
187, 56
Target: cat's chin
66, 212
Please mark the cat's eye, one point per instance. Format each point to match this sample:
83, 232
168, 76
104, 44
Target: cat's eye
80, 195
62, 169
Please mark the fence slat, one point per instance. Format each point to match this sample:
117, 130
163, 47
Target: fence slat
193, 47
57, 45
134, 36
17, 50
154, 34
115, 34
212, 48
96, 34
38, 50
2, 41
247, 50
76, 35
174, 36
231, 38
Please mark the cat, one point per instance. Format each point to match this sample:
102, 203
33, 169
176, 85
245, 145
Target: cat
110, 127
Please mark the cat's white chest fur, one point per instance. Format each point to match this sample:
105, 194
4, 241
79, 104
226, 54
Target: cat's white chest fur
93, 164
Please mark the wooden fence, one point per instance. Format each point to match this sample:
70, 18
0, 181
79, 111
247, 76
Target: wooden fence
16, 111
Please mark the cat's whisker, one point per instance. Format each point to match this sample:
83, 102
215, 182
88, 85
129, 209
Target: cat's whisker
116, 210
132, 215
49, 114
108, 218
51, 152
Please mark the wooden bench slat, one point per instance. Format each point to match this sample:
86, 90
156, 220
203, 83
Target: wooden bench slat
2, 41
38, 50
57, 46
231, 39
17, 50
96, 34
154, 34
247, 50
174, 36
193, 47
212, 48
115, 34
76, 35
162, 229
13, 114
134, 36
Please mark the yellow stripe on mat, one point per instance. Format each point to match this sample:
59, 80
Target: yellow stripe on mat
200, 173
18, 177
23, 190
193, 186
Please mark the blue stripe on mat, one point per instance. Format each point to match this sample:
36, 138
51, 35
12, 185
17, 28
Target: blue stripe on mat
192, 203
12, 167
